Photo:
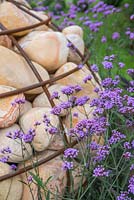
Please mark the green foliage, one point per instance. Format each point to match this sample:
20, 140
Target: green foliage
113, 2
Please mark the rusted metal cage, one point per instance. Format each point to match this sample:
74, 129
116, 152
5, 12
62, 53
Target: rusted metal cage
84, 60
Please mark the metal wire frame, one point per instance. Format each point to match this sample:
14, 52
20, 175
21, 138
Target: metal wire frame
84, 60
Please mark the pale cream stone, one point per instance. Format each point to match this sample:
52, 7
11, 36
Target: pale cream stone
5, 41
17, 18
73, 30
56, 184
9, 113
25, 107
50, 48
20, 150
24, 2
12, 17
12, 188
42, 16
79, 44
77, 78
42, 100
42, 138
15, 72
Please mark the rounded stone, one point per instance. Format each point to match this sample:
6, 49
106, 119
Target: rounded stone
5, 41
42, 138
56, 184
25, 107
15, 72
12, 188
50, 48
79, 44
12, 17
77, 78
9, 113
16, 146
73, 30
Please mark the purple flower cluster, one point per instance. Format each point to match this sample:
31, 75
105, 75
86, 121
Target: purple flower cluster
103, 39
18, 101
56, 110
109, 82
110, 58
4, 159
107, 65
115, 36
108, 99
93, 146
124, 196
103, 8
100, 171
18, 134
67, 165
69, 90
102, 153
116, 137
71, 153
55, 95
127, 155
81, 100
87, 127
6, 150
87, 78
130, 33
13, 167
94, 68
131, 185
52, 130
28, 138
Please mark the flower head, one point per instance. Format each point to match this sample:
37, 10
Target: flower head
115, 36
100, 171
56, 110
71, 153
103, 39
131, 185
67, 165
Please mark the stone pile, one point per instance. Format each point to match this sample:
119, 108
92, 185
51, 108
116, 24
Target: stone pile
50, 54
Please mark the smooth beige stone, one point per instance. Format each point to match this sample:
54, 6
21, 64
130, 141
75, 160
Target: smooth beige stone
77, 78
25, 107
12, 17
17, 18
15, 72
12, 188
58, 181
5, 41
42, 138
73, 30
50, 48
9, 113
43, 16
79, 44
15, 145
42, 100
24, 2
